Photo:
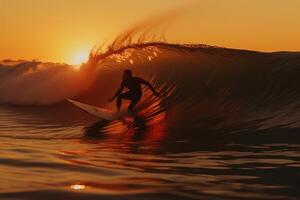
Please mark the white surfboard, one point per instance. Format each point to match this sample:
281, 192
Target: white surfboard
98, 112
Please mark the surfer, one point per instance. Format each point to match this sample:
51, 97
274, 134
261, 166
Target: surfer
133, 84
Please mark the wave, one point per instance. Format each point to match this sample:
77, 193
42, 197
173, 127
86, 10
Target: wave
204, 88
38, 83
216, 90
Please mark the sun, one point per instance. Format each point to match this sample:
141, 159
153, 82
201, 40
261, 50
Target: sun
80, 57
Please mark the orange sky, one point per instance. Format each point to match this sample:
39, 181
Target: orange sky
61, 30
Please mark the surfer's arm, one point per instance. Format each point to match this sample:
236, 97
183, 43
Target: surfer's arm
149, 86
118, 92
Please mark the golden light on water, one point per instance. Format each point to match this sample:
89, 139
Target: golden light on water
78, 187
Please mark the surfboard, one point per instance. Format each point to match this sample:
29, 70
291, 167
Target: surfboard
97, 111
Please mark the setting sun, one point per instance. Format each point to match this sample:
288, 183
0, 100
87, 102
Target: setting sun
79, 58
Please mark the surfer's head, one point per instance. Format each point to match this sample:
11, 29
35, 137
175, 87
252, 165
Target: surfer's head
127, 74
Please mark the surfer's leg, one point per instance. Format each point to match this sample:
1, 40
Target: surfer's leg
119, 102
131, 105
134, 100
125, 95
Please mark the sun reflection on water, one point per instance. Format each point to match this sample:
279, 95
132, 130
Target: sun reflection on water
78, 187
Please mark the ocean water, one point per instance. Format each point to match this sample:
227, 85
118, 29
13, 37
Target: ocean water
225, 127
50, 158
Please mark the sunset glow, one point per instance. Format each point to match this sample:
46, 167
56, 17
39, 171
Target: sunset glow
51, 31
79, 58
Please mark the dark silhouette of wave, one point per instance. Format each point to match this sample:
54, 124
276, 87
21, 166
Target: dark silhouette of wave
206, 91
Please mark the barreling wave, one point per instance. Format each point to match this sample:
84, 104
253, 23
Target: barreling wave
203, 88
207, 90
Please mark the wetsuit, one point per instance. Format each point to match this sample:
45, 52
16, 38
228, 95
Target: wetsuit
134, 94
135, 90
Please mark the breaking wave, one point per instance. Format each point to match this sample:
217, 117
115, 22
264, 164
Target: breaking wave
203, 88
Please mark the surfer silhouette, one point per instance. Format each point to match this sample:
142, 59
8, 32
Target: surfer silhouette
134, 93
